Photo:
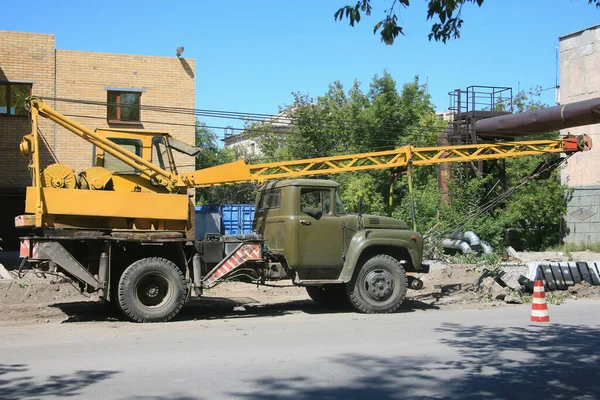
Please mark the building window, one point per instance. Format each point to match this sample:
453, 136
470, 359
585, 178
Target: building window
124, 106
12, 98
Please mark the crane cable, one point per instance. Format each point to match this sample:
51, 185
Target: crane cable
548, 167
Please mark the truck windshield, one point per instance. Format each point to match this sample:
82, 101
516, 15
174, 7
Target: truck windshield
339, 205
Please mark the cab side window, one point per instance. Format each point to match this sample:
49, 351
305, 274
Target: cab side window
117, 166
269, 200
316, 200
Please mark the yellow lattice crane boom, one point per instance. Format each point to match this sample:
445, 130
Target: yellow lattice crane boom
400, 157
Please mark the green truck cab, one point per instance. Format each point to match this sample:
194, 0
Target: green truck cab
364, 259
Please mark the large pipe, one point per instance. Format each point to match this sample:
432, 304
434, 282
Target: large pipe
486, 247
456, 245
472, 238
579, 113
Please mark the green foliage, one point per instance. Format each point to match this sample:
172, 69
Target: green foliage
572, 247
355, 121
357, 185
445, 13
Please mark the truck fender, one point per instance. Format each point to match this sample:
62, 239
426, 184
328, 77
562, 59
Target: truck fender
363, 240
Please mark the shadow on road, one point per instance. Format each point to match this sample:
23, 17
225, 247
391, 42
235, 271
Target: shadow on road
16, 383
210, 308
533, 362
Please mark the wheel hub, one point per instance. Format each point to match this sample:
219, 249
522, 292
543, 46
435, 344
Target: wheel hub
379, 285
152, 290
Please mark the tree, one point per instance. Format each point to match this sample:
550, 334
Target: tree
445, 13
354, 121
211, 155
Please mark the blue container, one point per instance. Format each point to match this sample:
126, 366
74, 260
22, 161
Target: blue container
237, 219
208, 220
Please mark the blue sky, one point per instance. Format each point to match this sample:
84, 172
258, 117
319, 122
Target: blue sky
251, 55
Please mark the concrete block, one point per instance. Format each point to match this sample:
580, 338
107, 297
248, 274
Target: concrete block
4, 274
594, 271
545, 273
513, 300
565, 269
510, 281
558, 277
575, 273
515, 269
489, 285
585, 273
511, 253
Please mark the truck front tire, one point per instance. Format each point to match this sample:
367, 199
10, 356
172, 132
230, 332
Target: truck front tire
152, 290
379, 285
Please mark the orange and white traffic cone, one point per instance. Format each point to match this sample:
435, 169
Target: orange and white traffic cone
539, 307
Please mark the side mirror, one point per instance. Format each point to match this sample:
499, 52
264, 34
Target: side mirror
313, 212
361, 206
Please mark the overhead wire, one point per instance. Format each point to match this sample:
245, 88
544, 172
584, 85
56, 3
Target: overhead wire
496, 201
257, 117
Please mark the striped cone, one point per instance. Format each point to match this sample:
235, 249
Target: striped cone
539, 308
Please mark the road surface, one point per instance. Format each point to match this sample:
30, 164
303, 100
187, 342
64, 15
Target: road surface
492, 353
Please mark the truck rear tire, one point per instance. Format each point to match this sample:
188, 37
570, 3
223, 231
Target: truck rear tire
152, 290
379, 285
330, 296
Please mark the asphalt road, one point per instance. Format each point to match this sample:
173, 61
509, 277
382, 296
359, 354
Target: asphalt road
493, 353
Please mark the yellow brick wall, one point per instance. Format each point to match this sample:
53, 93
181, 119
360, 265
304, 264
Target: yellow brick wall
25, 57
31, 57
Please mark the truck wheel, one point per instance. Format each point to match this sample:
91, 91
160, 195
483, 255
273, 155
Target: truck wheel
331, 296
379, 286
152, 290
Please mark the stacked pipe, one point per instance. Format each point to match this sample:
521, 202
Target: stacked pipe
467, 242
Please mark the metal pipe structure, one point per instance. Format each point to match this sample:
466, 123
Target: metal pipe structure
586, 112
456, 245
471, 238
486, 247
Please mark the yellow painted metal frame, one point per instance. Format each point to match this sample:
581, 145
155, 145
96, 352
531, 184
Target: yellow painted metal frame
106, 203
239, 172
167, 179
402, 156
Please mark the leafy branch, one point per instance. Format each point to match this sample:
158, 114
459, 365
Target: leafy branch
446, 15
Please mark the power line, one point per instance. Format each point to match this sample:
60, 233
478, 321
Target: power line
246, 117
381, 128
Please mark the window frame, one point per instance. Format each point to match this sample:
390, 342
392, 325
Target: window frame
321, 190
266, 200
118, 106
8, 85
121, 142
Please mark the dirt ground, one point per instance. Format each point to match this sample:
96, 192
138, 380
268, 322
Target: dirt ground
50, 299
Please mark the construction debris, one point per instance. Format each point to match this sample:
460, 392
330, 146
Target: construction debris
4, 274
490, 286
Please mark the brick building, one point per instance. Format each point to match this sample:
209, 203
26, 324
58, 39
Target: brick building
30, 63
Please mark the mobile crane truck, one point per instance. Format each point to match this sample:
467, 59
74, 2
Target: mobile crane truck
124, 227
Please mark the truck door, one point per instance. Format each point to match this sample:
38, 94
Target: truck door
320, 235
